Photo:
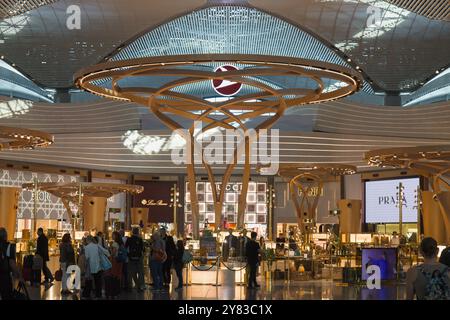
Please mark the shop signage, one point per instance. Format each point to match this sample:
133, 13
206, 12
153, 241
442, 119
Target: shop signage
156, 197
152, 202
236, 187
224, 87
312, 192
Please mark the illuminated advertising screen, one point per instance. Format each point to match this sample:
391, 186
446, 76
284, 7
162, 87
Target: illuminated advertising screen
384, 258
381, 201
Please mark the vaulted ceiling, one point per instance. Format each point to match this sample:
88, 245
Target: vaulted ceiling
396, 48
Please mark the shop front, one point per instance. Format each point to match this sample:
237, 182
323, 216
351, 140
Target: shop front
156, 207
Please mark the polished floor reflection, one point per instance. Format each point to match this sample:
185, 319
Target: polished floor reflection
277, 290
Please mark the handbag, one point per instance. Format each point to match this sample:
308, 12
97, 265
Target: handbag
58, 275
21, 293
187, 257
105, 264
159, 255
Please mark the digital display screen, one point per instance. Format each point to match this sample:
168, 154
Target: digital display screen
384, 258
381, 201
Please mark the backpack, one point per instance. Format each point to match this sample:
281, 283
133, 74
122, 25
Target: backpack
437, 287
4, 261
187, 257
135, 248
122, 254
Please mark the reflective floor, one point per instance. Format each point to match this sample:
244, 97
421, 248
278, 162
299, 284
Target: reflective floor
277, 290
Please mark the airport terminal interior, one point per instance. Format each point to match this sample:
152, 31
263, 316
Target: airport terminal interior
202, 145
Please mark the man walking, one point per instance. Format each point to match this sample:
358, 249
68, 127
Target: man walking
252, 251
42, 250
135, 246
170, 252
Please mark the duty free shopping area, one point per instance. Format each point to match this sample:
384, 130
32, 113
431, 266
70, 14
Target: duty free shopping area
224, 150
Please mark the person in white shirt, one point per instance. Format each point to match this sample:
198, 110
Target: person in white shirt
92, 253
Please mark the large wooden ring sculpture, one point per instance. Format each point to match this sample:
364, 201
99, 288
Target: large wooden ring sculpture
167, 100
432, 162
75, 192
21, 138
306, 185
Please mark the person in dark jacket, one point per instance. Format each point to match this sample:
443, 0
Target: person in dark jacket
178, 262
243, 240
42, 250
135, 246
7, 266
252, 251
170, 251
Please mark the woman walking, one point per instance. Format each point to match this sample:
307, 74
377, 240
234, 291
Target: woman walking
94, 254
66, 259
118, 256
157, 258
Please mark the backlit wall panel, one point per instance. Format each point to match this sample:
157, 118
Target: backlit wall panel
48, 206
255, 213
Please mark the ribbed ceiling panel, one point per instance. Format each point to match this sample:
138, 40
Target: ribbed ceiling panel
11, 8
432, 9
228, 29
232, 30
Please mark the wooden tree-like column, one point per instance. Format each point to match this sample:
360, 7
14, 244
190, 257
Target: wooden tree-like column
76, 193
432, 162
306, 185
168, 101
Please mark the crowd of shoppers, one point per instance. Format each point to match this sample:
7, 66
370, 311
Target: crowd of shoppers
109, 267
127, 262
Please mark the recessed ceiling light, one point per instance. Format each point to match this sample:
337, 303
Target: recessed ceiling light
437, 71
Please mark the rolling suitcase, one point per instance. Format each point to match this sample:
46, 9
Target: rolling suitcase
112, 286
28, 262
27, 274
27, 268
